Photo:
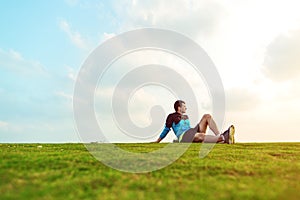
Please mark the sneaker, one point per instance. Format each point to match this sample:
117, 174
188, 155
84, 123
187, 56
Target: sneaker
229, 135
226, 136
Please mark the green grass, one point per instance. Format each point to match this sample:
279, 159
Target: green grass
68, 171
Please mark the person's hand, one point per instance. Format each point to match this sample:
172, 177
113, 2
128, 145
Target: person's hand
157, 141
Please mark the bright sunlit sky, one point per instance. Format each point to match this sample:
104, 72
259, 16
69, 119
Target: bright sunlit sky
254, 44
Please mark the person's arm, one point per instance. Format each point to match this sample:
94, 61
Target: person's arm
163, 134
158, 140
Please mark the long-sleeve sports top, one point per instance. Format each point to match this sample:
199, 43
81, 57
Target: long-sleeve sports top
178, 122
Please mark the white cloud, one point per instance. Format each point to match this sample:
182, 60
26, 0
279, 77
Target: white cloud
3, 124
236, 34
240, 99
14, 61
227, 30
71, 73
189, 17
294, 92
272, 121
139, 107
107, 36
72, 2
282, 57
75, 37
63, 94
16, 55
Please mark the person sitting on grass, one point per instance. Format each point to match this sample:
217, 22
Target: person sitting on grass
181, 126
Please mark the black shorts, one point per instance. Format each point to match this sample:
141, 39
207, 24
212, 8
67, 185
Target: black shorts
188, 135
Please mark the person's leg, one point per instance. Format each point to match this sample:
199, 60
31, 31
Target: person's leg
207, 120
200, 137
213, 139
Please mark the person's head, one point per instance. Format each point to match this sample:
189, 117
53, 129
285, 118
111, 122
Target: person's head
179, 106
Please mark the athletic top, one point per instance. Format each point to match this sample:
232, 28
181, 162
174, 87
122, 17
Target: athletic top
178, 122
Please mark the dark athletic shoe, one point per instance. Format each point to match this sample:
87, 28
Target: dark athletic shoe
229, 135
226, 136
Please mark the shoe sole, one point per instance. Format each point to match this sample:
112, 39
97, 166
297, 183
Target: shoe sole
231, 135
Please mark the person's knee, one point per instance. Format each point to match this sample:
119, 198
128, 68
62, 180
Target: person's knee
199, 137
206, 116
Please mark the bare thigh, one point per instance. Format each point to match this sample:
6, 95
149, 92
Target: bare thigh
204, 123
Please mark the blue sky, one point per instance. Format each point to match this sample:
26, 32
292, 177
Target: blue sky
43, 45
37, 60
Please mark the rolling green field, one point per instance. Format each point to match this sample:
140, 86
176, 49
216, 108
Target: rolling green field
69, 171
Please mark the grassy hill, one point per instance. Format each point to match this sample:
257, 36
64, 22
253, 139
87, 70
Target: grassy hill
68, 171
